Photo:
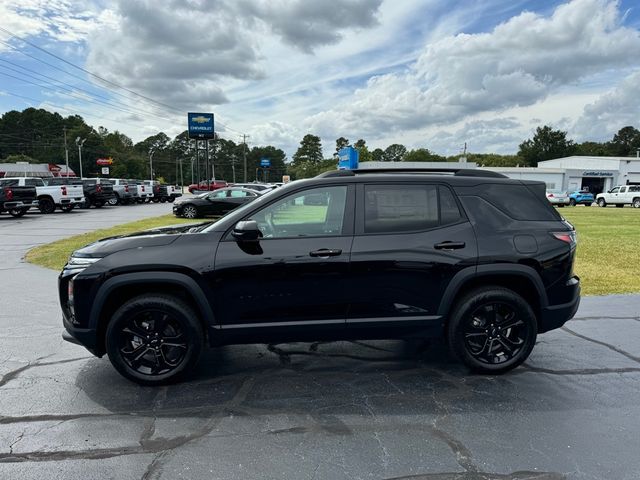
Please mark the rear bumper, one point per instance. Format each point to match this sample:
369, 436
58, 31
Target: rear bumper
20, 204
555, 316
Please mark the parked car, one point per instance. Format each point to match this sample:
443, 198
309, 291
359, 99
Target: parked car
580, 197
15, 199
162, 192
260, 187
207, 187
50, 197
479, 259
122, 192
620, 196
220, 202
97, 191
141, 192
557, 198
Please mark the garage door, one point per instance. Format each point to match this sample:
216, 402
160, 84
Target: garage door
634, 177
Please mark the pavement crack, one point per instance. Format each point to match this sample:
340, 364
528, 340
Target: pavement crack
7, 377
604, 344
579, 371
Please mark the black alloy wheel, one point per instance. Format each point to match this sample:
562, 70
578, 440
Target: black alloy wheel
492, 330
154, 340
46, 205
18, 212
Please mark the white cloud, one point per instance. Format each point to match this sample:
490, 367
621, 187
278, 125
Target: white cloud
613, 110
519, 63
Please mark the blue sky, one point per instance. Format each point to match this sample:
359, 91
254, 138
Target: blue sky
424, 73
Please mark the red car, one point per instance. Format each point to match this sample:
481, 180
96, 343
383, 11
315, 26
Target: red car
203, 187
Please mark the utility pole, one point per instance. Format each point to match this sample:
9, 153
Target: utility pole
244, 155
80, 143
66, 150
151, 152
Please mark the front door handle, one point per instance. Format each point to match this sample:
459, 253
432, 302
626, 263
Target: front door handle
326, 252
449, 245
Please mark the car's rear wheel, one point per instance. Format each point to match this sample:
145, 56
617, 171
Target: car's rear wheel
18, 212
636, 203
154, 340
572, 202
602, 202
46, 205
189, 211
492, 330
114, 200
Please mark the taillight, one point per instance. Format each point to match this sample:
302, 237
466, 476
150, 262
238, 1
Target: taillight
567, 237
98, 188
142, 187
126, 188
63, 188
549, 195
8, 193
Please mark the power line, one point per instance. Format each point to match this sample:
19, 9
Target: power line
108, 82
107, 100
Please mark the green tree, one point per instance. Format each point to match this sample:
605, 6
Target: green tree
422, 155
545, 145
625, 142
310, 150
377, 155
341, 143
595, 149
395, 153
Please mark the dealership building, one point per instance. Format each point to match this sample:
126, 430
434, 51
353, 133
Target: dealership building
596, 174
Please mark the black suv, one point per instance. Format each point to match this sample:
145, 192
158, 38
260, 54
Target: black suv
475, 257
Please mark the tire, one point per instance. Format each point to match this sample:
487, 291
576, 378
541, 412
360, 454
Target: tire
67, 208
190, 211
140, 200
113, 201
572, 202
18, 212
155, 200
602, 202
46, 205
154, 339
636, 203
475, 323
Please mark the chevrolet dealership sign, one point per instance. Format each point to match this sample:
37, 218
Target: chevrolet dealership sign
200, 125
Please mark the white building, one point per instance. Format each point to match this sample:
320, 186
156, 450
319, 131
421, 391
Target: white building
597, 174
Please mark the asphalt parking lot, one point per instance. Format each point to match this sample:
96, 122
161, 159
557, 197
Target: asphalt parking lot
338, 410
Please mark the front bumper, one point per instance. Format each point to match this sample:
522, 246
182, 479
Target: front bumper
555, 316
85, 337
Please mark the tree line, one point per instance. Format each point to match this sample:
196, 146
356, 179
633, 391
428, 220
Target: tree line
37, 136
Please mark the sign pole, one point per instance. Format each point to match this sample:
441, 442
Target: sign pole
206, 159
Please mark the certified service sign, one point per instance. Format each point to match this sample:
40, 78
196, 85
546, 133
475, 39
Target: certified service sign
200, 125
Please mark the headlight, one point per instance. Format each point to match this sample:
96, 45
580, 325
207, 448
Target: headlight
80, 263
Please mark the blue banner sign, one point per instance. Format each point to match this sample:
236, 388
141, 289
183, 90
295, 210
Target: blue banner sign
265, 162
348, 158
200, 125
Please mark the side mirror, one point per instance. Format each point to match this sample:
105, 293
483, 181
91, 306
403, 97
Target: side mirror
246, 231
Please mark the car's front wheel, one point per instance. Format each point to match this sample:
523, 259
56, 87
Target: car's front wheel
189, 211
154, 339
492, 330
602, 202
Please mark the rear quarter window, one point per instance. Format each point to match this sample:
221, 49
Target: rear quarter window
520, 202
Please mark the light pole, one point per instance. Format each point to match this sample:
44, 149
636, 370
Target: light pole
80, 143
151, 152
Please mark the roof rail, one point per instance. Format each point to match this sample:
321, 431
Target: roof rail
460, 172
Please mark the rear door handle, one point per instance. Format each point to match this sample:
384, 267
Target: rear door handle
449, 245
325, 252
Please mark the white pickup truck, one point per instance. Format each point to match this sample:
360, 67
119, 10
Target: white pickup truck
64, 197
620, 196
